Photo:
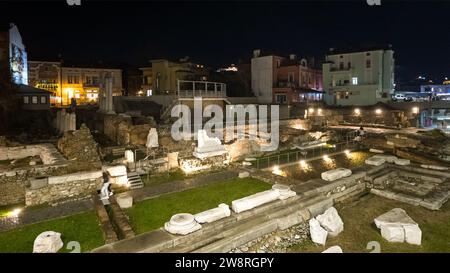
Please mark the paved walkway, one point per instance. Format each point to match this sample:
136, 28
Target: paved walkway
34, 215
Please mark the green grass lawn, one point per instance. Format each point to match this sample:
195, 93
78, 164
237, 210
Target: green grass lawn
153, 213
153, 180
83, 228
359, 228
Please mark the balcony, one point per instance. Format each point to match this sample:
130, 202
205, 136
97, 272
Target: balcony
285, 84
190, 89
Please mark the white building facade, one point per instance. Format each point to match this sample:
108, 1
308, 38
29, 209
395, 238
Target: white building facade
358, 77
263, 75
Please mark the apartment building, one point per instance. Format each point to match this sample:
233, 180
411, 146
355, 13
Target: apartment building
163, 75
285, 80
358, 76
66, 83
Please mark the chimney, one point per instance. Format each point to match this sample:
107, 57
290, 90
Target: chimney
256, 53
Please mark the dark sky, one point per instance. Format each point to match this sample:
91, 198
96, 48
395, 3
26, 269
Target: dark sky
219, 33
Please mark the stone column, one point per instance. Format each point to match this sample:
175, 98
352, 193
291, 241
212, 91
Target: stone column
72, 122
62, 121
67, 122
106, 95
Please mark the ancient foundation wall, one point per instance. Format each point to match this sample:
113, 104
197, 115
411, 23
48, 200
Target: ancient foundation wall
59, 188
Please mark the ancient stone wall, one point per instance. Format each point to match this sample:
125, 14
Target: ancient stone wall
12, 190
59, 188
14, 182
80, 147
122, 130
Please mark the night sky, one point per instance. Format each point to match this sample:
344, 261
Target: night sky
220, 33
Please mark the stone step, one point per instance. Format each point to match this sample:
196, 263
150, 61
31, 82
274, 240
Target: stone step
135, 181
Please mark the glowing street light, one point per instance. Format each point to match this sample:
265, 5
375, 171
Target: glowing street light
311, 110
378, 111
347, 152
14, 213
357, 111
319, 111
415, 110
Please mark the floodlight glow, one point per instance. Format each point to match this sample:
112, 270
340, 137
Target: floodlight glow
15, 212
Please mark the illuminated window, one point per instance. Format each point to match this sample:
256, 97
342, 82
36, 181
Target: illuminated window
26, 100
355, 81
34, 100
43, 100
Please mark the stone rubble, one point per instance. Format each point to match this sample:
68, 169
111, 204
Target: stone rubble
331, 221
276, 242
397, 227
318, 233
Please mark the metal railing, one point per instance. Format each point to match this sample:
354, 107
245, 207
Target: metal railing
188, 89
306, 154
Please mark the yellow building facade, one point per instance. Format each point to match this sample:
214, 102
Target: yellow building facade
67, 83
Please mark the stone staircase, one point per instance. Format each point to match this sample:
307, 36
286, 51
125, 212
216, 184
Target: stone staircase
118, 151
135, 181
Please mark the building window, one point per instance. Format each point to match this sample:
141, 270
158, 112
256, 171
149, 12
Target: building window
34, 99
26, 100
69, 79
368, 54
368, 63
281, 98
341, 65
355, 81
278, 63
291, 77
43, 100
349, 65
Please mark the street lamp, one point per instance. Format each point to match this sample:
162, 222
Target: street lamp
357, 111
378, 111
